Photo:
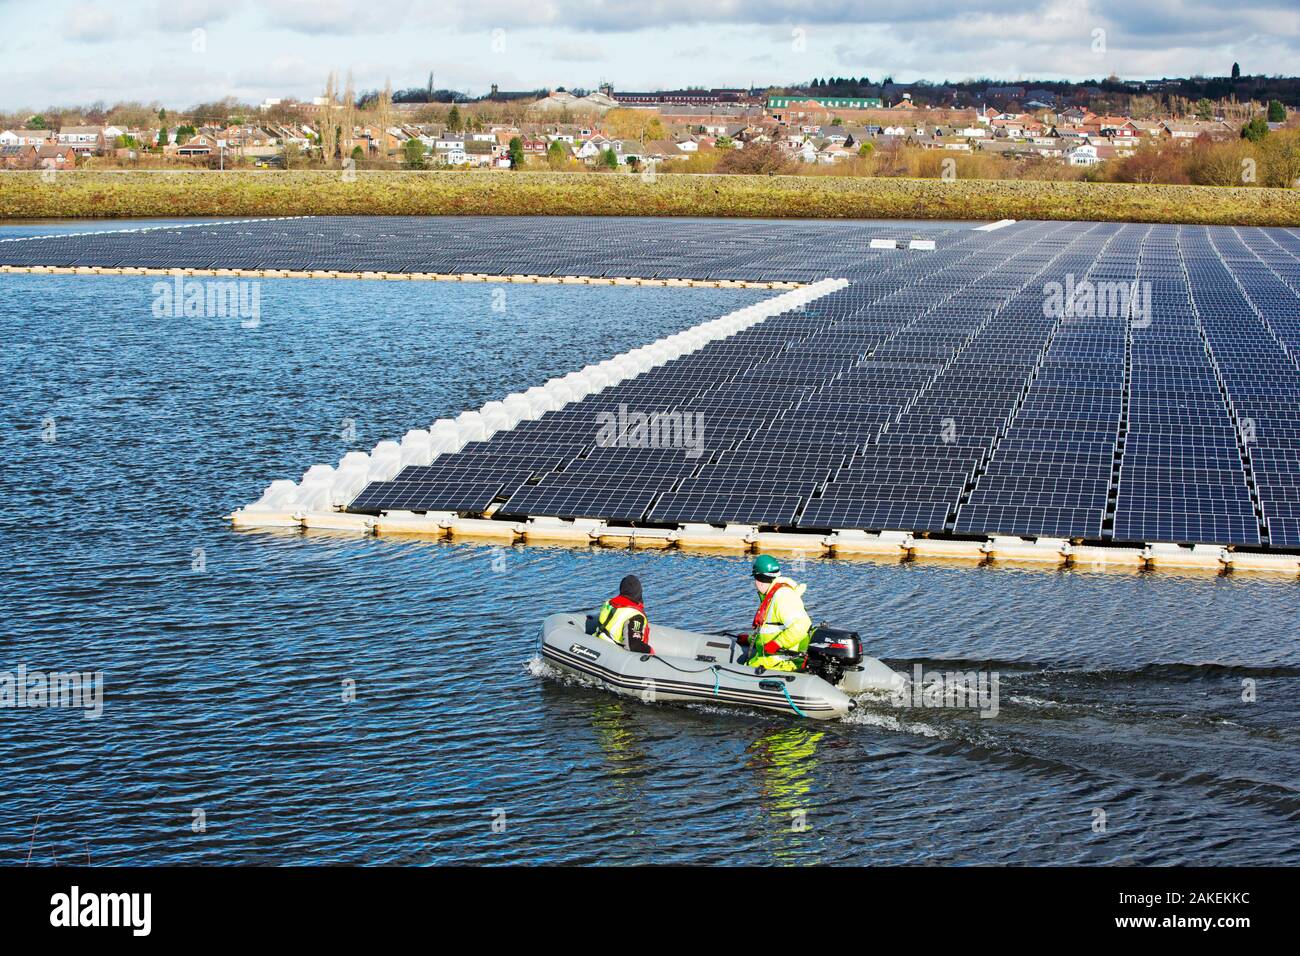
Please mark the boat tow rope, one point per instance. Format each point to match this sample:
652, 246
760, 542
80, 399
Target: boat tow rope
760, 678
790, 700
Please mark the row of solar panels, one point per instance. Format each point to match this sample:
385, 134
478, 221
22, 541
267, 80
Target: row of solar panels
730, 249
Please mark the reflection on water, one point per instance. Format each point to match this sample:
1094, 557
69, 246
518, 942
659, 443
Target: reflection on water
625, 762
784, 764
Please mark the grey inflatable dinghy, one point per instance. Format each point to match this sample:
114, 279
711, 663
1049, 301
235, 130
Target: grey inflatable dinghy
706, 668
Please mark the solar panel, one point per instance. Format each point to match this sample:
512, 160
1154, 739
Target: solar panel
721, 505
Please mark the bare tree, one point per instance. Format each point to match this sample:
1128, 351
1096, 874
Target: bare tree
385, 116
328, 139
348, 116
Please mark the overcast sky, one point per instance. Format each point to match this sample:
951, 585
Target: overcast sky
180, 52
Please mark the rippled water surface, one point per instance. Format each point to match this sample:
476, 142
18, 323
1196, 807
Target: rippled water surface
1121, 733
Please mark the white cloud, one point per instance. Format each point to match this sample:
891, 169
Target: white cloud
90, 23
633, 43
188, 14
572, 51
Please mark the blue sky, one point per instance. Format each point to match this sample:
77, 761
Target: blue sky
70, 51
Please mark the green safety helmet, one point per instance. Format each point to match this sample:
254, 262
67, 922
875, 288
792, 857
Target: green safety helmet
766, 566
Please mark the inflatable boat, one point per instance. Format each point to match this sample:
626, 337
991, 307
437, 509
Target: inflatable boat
707, 668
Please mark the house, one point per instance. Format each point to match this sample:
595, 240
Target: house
590, 150
1115, 126
450, 152
1181, 133
27, 137
13, 156
377, 142
251, 141
805, 150
855, 136
480, 153
833, 152
83, 139
717, 127
56, 156
200, 144
1085, 154
656, 149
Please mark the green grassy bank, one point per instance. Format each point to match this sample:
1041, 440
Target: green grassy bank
317, 192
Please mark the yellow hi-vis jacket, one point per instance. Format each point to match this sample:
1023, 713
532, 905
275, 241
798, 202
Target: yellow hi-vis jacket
785, 622
625, 626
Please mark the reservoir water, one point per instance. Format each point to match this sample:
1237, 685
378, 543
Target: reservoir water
284, 698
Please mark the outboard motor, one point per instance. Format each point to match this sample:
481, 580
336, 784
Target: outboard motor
832, 651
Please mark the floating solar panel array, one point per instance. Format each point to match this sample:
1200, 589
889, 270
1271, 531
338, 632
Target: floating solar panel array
488, 245
972, 390
1098, 382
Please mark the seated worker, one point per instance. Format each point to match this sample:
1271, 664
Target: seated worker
782, 627
622, 620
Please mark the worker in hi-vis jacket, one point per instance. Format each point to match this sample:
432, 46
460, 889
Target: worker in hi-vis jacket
779, 640
622, 620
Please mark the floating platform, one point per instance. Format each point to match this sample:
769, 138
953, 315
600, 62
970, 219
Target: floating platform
400, 276
848, 544
1021, 394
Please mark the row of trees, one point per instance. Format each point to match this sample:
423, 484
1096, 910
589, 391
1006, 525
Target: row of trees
1270, 160
1109, 95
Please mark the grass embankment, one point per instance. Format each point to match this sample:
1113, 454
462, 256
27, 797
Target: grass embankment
321, 192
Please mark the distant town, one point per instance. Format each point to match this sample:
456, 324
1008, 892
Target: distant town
1233, 130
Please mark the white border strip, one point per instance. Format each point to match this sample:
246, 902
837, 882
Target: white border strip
991, 226
326, 488
179, 225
